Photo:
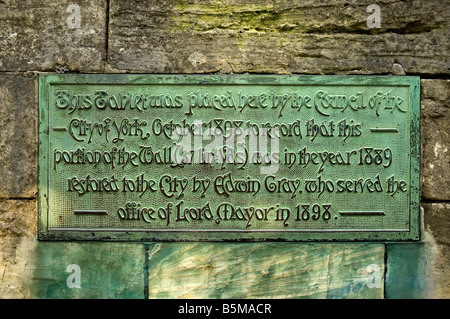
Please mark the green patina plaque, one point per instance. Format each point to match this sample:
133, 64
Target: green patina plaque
241, 157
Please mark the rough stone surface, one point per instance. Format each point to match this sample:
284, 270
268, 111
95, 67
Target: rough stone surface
435, 95
308, 16
264, 270
35, 35
18, 222
18, 138
280, 37
437, 222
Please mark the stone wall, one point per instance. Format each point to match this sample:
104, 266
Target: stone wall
210, 36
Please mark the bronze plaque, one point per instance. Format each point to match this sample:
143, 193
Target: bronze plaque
238, 157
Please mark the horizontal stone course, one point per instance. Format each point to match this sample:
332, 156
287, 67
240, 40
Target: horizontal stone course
306, 16
189, 37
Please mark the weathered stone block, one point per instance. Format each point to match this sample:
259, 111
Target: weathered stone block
18, 223
308, 16
435, 122
36, 35
265, 270
437, 223
280, 37
18, 135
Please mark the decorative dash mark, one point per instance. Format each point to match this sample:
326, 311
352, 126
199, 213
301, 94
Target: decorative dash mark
361, 213
90, 212
384, 129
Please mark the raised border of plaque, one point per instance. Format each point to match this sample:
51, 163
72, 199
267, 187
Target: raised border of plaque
348, 164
